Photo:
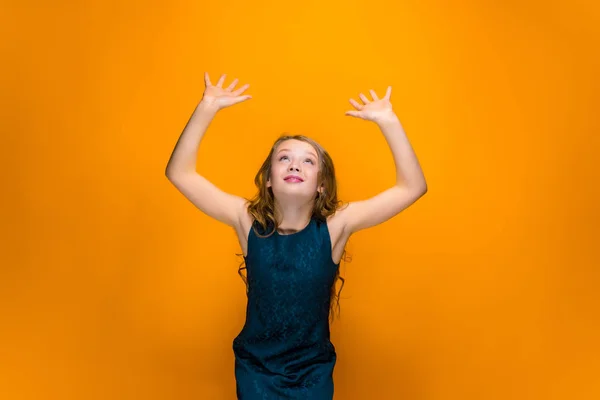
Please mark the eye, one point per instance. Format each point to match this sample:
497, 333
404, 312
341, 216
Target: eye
282, 157
310, 160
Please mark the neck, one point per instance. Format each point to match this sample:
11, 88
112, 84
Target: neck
292, 218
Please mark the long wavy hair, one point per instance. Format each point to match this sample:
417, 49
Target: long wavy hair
262, 205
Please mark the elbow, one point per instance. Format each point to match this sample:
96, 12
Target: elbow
420, 189
422, 185
172, 175
171, 172
168, 173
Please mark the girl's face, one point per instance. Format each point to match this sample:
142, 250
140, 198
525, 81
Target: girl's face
294, 169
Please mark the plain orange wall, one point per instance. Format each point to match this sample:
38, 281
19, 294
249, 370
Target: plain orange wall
113, 286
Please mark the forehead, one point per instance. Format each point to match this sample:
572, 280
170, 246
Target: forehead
296, 146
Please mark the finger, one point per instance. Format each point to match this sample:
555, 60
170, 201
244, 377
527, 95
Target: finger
242, 98
353, 113
207, 79
388, 92
364, 98
235, 81
356, 104
373, 94
241, 90
221, 80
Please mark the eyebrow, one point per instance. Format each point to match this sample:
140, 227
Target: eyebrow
310, 153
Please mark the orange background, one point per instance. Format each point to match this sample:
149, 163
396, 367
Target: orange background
113, 286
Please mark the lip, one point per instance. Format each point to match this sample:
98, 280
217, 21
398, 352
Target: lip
293, 178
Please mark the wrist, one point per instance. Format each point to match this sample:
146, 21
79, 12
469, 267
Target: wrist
387, 118
206, 107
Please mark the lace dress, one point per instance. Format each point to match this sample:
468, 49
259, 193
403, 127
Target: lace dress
284, 350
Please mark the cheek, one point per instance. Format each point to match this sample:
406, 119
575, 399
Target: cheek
275, 174
314, 177
314, 172
275, 171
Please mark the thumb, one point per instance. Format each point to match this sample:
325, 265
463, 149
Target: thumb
352, 113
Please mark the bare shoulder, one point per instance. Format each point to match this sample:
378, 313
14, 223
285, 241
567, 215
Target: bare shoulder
335, 224
338, 233
243, 226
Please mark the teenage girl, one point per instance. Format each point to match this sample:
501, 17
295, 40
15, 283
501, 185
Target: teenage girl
292, 235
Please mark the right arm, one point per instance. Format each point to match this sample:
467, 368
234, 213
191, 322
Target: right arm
181, 168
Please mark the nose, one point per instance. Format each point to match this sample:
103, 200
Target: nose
293, 167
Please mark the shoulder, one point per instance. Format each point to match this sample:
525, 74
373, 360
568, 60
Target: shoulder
336, 223
337, 219
244, 222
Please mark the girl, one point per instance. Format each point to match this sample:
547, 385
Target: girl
292, 235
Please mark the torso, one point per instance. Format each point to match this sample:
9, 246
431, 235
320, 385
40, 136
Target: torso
339, 237
284, 348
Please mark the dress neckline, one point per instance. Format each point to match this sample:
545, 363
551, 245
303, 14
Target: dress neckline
295, 233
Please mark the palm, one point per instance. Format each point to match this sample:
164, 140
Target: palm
217, 96
372, 109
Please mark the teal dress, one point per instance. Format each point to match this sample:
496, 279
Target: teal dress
284, 350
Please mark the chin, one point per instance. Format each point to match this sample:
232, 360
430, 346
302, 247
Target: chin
292, 192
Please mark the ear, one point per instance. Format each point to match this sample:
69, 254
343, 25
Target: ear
268, 182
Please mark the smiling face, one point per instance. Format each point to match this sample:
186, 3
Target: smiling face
303, 157
294, 169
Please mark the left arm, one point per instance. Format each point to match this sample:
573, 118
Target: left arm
410, 182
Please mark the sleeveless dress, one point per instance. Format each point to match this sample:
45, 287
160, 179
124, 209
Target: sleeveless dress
284, 350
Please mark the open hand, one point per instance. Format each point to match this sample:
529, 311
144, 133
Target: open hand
372, 110
216, 96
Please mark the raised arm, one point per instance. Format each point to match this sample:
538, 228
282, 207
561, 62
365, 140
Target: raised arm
410, 182
181, 168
